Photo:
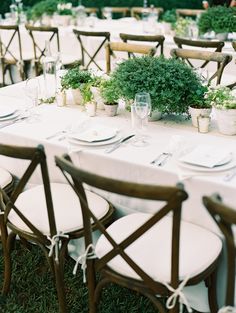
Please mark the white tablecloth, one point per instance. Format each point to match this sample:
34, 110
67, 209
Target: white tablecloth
126, 163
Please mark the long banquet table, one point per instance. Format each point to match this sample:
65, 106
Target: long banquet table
126, 163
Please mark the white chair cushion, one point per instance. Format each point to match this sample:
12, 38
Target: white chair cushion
67, 209
152, 252
5, 178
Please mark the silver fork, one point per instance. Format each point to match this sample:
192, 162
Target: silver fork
161, 159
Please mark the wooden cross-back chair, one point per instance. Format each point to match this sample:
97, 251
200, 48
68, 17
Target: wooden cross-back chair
188, 55
225, 217
137, 11
189, 12
105, 36
231, 86
11, 52
131, 49
158, 40
149, 253
92, 10
51, 35
234, 45
40, 49
121, 11
48, 215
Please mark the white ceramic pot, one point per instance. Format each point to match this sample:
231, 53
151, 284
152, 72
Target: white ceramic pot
97, 97
222, 36
226, 121
195, 112
155, 115
91, 108
61, 98
77, 97
111, 110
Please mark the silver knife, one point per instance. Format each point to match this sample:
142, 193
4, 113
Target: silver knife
13, 122
117, 145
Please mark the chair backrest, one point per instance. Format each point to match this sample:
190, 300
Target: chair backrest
189, 12
121, 11
126, 47
188, 55
225, 218
91, 10
50, 34
36, 158
234, 45
105, 37
169, 200
158, 40
11, 49
137, 11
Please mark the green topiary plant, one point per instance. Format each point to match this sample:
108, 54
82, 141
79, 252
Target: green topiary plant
110, 92
74, 78
43, 7
171, 83
169, 16
220, 19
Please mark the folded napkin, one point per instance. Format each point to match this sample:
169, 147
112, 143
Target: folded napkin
207, 156
95, 133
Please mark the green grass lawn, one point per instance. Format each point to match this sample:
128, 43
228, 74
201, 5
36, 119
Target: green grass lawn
32, 289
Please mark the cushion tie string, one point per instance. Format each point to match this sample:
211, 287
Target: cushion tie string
178, 292
55, 241
227, 309
82, 259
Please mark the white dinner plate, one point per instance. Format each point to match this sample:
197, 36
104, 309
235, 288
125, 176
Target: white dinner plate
226, 165
95, 134
10, 117
6, 111
95, 143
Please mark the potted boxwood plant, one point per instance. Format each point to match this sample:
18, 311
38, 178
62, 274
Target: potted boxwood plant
200, 105
219, 19
110, 94
73, 80
171, 83
223, 100
43, 8
168, 20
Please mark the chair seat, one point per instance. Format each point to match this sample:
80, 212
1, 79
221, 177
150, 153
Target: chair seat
67, 210
5, 178
199, 248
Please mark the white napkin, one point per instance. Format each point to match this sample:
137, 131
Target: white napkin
207, 156
95, 133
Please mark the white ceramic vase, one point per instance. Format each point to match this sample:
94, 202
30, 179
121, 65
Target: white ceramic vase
77, 97
195, 112
226, 121
91, 108
97, 97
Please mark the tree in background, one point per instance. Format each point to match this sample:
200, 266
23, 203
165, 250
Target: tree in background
166, 4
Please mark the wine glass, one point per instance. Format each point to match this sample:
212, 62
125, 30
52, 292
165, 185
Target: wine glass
142, 106
32, 98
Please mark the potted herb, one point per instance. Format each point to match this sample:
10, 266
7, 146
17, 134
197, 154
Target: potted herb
171, 84
73, 80
168, 19
96, 91
223, 100
200, 105
43, 8
88, 99
64, 13
110, 96
181, 26
219, 19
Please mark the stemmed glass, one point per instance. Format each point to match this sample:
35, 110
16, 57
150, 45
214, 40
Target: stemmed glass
32, 97
142, 106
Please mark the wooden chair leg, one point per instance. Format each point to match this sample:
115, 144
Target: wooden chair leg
60, 286
212, 295
7, 248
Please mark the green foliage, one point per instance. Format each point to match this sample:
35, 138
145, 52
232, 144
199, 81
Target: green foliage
166, 4
220, 19
221, 97
181, 26
169, 16
74, 78
171, 83
109, 91
86, 92
43, 7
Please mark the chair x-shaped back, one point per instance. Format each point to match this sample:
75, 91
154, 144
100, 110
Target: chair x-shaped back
84, 51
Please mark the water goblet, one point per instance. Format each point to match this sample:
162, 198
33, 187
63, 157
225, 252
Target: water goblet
32, 97
142, 106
